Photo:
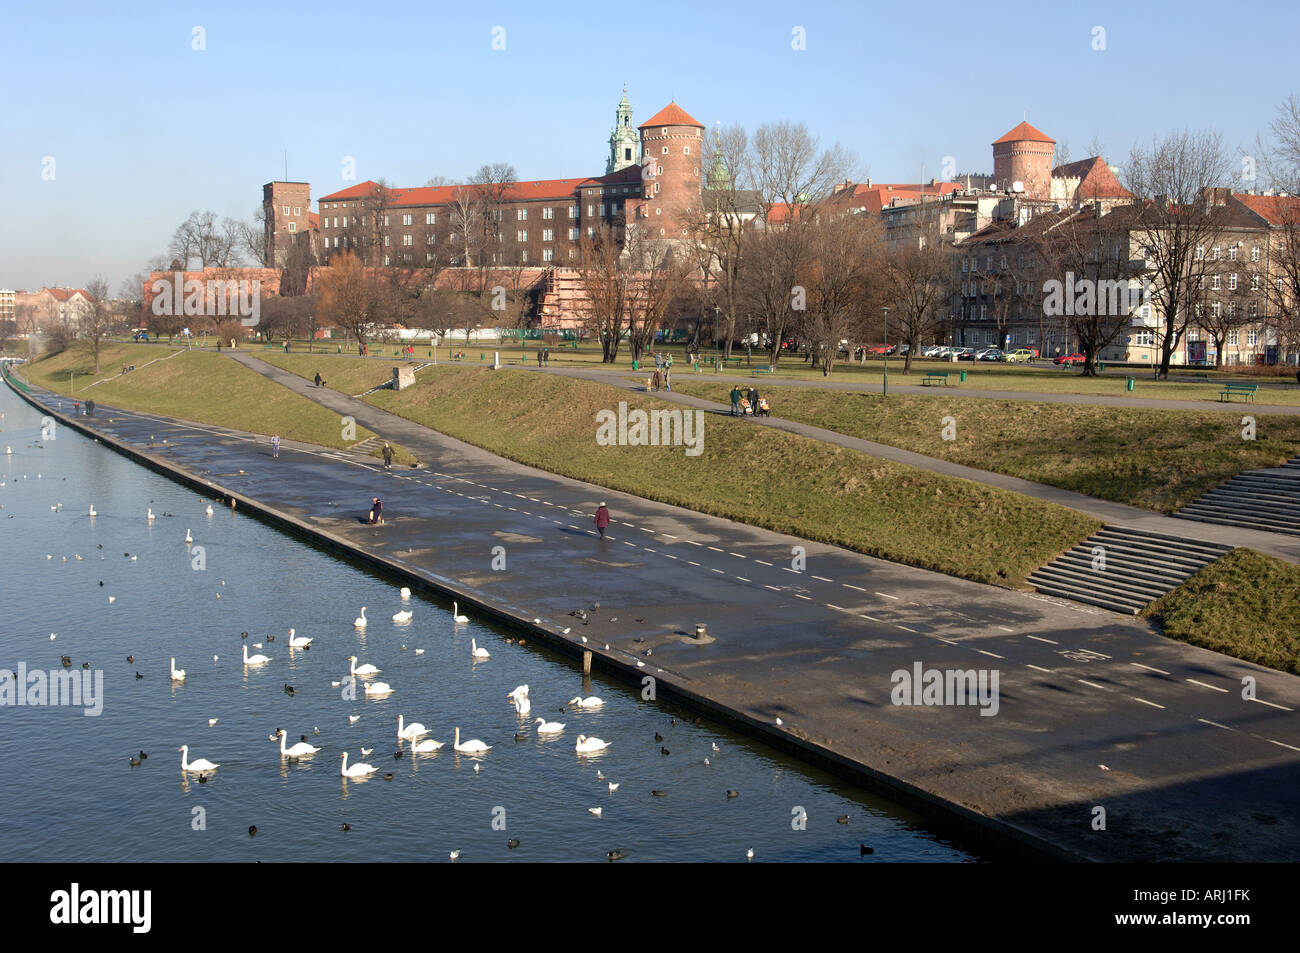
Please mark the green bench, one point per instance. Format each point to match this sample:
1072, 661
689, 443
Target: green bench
733, 360
935, 377
763, 369
1231, 388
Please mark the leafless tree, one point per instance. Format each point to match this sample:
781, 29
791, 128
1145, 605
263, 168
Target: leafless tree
98, 318
790, 169
353, 297
837, 280
204, 241
915, 278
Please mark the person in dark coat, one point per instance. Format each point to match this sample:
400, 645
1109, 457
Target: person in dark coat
90, 408
376, 510
602, 518
319, 380
388, 456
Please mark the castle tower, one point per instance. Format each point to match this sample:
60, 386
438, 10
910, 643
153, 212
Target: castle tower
622, 140
287, 206
671, 143
1024, 155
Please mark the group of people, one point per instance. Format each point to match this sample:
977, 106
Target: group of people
662, 376
748, 403
544, 357
90, 408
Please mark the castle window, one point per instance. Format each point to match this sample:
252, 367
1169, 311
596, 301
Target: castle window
627, 153
548, 235
430, 218
406, 240
297, 210
659, 211
590, 208
286, 210
386, 242
523, 256
663, 132
573, 211
686, 150
1232, 253
548, 212
385, 221
1254, 254
665, 153
293, 226
521, 235
573, 234
1232, 281
659, 170
387, 261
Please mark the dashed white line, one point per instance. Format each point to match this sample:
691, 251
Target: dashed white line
694, 543
795, 571
982, 652
649, 550
1203, 685
870, 617
822, 578
773, 588
1048, 641
718, 571
670, 555
1270, 704
885, 595
1091, 684
848, 586
801, 596
1145, 702
737, 555
1006, 628
762, 562
1216, 724
692, 562
715, 549
743, 579
1158, 671
947, 641
906, 629
668, 535
1039, 668
837, 608
1280, 744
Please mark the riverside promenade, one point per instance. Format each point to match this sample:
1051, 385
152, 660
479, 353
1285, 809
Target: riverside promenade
1094, 710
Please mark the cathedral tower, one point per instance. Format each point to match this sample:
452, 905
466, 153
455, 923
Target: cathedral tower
622, 140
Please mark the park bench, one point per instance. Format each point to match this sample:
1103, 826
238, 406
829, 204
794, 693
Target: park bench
732, 360
935, 377
1247, 391
763, 369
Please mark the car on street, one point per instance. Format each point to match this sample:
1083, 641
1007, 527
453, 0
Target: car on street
989, 354
965, 353
1068, 360
1021, 355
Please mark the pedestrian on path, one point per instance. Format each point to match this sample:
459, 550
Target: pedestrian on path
539, 358
602, 518
76, 408
275, 447
388, 456
319, 380
376, 511
90, 408
656, 379
286, 345
668, 384
546, 356
735, 400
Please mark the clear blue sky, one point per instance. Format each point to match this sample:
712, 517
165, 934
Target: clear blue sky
144, 129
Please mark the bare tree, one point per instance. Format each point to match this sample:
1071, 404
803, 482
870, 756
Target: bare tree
204, 240
253, 240
352, 296
916, 284
837, 282
790, 170
97, 320
772, 267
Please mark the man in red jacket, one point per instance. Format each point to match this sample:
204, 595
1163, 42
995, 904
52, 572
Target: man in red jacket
602, 519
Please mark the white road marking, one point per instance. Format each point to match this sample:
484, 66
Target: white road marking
848, 586
692, 562
1216, 724
718, 571
948, 641
737, 555
1145, 702
1006, 628
982, 652
1270, 704
822, 578
715, 549
799, 596
670, 555
694, 543
743, 579
886, 595
773, 588
795, 571
906, 629
1149, 668
668, 535
871, 617
1039, 668
762, 562
1203, 685
1048, 641
837, 608
1271, 741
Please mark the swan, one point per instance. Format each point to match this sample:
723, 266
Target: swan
300, 750
378, 688
520, 695
411, 731
209, 509
298, 641
406, 593
470, 747
358, 770
188, 537
545, 727
151, 516
178, 674
455, 613
476, 651
425, 746
366, 669
587, 745
591, 701
92, 510
254, 659
360, 621
403, 616
202, 764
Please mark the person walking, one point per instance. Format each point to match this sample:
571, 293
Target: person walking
388, 456
656, 379
668, 383
602, 518
275, 447
90, 408
735, 400
376, 510
319, 380
539, 358
546, 357
753, 397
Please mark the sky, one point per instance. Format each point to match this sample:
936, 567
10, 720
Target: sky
121, 119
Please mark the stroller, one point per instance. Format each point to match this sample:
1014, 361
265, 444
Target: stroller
763, 410
745, 408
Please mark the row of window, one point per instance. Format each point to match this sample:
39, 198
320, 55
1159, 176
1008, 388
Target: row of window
548, 255
1216, 253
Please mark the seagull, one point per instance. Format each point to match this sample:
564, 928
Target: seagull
594, 810
612, 787
352, 719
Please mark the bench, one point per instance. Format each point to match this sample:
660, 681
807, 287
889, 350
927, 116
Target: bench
763, 369
733, 360
1247, 391
935, 377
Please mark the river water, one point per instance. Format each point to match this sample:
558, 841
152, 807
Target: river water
68, 790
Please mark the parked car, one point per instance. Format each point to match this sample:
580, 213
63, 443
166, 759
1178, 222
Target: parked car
1021, 355
989, 354
931, 350
965, 353
1069, 360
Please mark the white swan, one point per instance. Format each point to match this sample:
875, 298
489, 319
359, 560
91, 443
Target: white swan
92, 510
360, 621
254, 659
476, 651
178, 674
188, 537
378, 688
403, 616
520, 697
413, 730
470, 747
587, 745
300, 750
425, 746
209, 509
358, 770
455, 613
151, 516
545, 727
202, 764
591, 701
298, 641
366, 669
406, 593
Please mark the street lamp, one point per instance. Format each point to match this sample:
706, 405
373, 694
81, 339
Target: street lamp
884, 324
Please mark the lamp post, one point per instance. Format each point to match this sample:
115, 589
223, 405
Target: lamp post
884, 324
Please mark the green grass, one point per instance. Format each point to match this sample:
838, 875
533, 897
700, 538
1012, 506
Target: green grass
1246, 605
1156, 459
754, 475
194, 385
347, 375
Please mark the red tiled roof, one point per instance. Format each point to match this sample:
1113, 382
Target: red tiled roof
1274, 209
671, 115
443, 194
1096, 181
65, 294
1024, 133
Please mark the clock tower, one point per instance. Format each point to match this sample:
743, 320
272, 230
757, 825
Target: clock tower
623, 144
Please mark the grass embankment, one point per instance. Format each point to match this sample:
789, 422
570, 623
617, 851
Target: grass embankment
347, 375
1246, 605
1157, 459
750, 474
194, 385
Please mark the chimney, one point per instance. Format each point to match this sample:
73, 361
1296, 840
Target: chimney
868, 183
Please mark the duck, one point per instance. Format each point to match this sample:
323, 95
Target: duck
297, 641
403, 616
455, 613
477, 652
411, 731
731, 794
473, 746
358, 770
425, 746
512, 843
202, 764
545, 727
366, 669
135, 762
587, 745
614, 855
378, 688
178, 674
360, 621
299, 750
405, 593
591, 701
254, 659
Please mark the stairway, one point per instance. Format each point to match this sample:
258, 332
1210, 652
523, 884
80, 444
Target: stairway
1133, 567
1267, 500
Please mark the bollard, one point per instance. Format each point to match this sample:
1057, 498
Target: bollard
586, 661
701, 630
1130, 383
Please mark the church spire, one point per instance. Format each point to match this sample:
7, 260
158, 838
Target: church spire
623, 138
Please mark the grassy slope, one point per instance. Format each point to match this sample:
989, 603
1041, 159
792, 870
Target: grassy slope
750, 474
1157, 459
1246, 605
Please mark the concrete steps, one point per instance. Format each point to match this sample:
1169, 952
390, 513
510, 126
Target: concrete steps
1267, 500
1133, 568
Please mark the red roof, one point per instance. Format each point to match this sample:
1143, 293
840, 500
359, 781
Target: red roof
671, 115
1024, 133
444, 194
1274, 209
65, 294
1096, 181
